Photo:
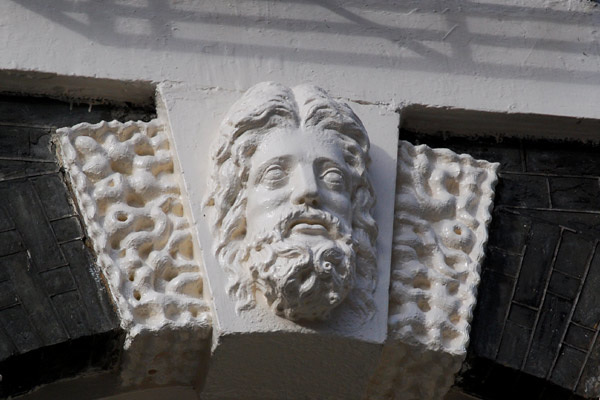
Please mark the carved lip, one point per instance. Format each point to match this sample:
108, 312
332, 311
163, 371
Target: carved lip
309, 227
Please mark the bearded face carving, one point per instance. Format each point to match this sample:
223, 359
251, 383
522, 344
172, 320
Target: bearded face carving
292, 203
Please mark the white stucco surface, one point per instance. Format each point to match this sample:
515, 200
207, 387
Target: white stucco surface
195, 165
527, 56
240, 339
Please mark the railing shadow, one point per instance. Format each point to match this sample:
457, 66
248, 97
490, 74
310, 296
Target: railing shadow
404, 47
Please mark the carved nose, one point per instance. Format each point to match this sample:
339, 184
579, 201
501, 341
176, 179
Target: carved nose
306, 191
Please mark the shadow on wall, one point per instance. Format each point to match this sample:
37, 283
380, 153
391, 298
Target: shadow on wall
458, 36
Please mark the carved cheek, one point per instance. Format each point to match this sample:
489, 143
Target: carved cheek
338, 203
265, 207
266, 199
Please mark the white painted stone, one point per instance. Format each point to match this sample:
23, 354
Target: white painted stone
128, 192
443, 205
290, 204
410, 372
500, 56
346, 339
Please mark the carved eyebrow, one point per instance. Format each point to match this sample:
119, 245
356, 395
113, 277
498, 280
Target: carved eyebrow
284, 161
325, 160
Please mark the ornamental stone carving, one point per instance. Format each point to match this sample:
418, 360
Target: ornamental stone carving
286, 215
130, 198
292, 203
442, 211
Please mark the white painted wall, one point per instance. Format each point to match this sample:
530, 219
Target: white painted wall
528, 56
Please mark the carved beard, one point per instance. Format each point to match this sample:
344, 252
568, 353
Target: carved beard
302, 279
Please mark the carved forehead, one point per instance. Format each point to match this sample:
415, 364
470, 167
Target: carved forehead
308, 145
268, 104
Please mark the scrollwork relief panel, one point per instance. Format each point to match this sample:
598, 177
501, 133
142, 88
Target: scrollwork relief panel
443, 207
129, 195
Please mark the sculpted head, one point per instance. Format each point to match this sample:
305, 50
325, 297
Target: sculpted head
292, 203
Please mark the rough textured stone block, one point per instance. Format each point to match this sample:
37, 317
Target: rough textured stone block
13, 143
18, 169
56, 281
568, 366
67, 229
589, 382
553, 321
10, 242
47, 326
505, 221
72, 313
26, 210
494, 296
580, 337
587, 312
537, 264
521, 315
5, 222
574, 254
53, 189
564, 285
20, 332
514, 345
8, 296
40, 147
503, 262
562, 158
575, 193
526, 191
91, 286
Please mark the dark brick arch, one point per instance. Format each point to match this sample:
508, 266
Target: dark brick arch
535, 328
56, 317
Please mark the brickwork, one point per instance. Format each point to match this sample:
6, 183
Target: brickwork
56, 318
538, 310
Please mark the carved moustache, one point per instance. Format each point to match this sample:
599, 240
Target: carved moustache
311, 221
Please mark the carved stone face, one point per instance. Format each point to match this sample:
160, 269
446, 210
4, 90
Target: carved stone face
299, 188
292, 203
294, 168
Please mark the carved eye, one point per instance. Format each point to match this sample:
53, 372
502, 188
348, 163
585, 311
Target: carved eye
273, 175
334, 178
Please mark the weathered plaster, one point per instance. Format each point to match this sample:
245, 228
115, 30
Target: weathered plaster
538, 56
